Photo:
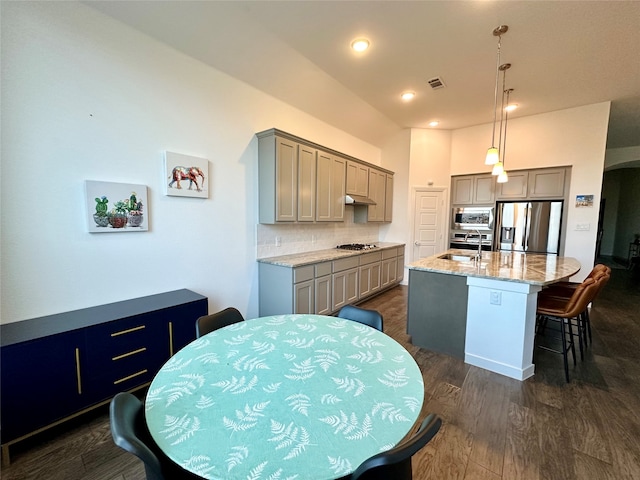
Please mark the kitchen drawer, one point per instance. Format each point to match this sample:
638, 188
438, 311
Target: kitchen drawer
370, 257
400, 251
345, 264
303, 274
322, 269
389, 253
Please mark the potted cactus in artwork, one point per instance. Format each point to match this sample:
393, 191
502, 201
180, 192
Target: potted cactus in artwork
101, 217
118, 215
135, 211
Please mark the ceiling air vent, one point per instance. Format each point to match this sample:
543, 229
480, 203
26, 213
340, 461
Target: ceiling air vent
436, 83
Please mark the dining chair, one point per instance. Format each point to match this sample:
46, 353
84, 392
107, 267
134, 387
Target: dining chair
209, 323
361, 315
396, 463
129, 432
564, 312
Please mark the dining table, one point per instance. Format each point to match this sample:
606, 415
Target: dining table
296, 396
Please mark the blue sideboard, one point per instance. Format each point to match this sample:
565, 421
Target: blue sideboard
55, 367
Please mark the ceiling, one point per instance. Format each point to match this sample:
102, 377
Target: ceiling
563, 55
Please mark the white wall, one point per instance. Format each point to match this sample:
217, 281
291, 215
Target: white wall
87, 98
575, 137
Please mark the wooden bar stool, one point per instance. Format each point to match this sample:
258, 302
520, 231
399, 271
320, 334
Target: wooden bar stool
564, 312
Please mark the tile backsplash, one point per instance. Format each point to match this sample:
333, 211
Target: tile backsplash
301, 237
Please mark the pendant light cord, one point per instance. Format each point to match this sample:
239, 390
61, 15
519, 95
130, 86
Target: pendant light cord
495, 95
506, 117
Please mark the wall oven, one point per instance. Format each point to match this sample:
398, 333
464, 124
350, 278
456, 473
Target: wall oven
472, 218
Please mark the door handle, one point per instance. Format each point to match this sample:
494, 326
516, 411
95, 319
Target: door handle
417, 244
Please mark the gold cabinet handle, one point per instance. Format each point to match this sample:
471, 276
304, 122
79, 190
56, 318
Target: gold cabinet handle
78, 376
123, 332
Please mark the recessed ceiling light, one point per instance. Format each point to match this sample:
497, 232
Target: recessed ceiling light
360, 44
434, 124
406, 96
511, 108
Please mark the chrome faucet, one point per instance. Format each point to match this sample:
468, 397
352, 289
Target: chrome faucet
478, 255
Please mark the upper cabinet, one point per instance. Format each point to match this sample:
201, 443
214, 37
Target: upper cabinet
473, 190
541, 183
330, 188
357, 179
534, 184
301, 181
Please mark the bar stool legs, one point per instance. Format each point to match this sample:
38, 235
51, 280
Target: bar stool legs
566, 339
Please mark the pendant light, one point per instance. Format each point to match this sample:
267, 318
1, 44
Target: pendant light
503, 177
493, 153
499, 166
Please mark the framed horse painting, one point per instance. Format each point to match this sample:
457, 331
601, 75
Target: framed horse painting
186, 176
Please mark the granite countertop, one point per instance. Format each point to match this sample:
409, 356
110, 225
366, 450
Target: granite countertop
318, 256
531, 268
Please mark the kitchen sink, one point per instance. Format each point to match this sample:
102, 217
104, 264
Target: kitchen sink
457, 257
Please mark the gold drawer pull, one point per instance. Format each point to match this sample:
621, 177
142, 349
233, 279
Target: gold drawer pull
78, 377
124, 355
141, 372
135, 329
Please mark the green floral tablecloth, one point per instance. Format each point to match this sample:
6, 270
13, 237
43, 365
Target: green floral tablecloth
284, 397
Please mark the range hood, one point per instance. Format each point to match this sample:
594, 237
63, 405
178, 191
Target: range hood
352, 199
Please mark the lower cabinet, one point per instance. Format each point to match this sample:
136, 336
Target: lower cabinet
57, 366
324, 288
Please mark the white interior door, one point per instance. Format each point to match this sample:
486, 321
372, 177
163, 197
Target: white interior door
428, 222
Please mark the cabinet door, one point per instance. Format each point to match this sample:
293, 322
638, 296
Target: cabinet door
484, 190
364, 275
388, 198
377, 184
330, 188
323, 295
389, 269
400, 269
286, 180
344, 288
306, 184
462, 190
546, 183
41, 382
515, 188
357, 178
303, 297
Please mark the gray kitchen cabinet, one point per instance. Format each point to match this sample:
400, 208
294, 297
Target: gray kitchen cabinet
330, 187
473, 190
344, 282
278, 179
515, 188
357, 179
547, 183
304, 297
389, 267
388, 198
307, 183
323, 288
377, 185
369, 273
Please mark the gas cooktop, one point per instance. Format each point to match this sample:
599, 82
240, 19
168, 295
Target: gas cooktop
357, 246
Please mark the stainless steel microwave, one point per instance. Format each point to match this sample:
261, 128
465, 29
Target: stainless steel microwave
465, 218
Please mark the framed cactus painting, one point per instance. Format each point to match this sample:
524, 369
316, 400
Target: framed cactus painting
186, 176
116, 207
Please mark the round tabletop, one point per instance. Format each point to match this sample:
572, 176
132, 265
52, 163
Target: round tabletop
286, 397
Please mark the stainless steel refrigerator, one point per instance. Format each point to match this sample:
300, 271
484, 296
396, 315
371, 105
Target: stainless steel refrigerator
532, 227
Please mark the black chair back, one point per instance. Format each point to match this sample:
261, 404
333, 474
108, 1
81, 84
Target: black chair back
129, 432
361, 315
209, 323
396, 463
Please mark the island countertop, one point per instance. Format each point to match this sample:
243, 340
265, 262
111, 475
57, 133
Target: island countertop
531, 268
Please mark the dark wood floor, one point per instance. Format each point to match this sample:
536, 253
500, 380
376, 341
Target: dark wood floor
494, 427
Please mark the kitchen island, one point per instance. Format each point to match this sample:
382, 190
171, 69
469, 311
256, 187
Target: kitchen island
483, 311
